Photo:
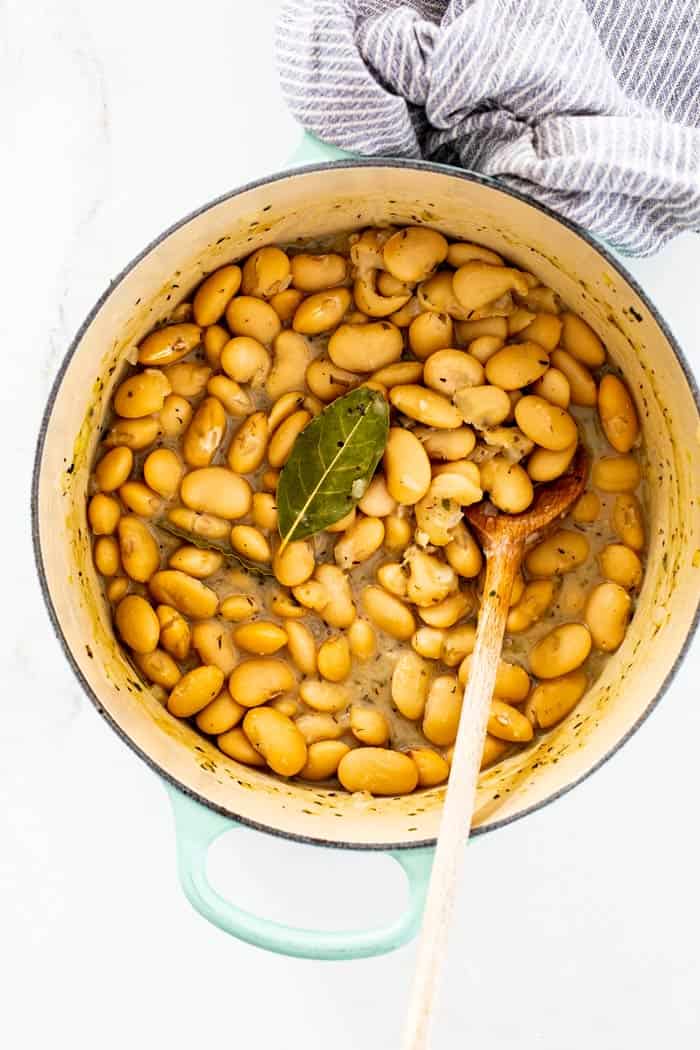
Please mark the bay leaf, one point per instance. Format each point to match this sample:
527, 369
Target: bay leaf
204, 544
331, 464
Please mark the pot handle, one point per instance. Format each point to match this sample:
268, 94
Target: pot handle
197, 827
312, 150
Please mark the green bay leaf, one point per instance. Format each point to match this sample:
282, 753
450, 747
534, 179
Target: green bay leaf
331, 464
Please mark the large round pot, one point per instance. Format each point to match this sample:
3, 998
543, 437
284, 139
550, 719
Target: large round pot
209, 790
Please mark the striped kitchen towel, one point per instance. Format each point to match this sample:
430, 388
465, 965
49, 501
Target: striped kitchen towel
591, 106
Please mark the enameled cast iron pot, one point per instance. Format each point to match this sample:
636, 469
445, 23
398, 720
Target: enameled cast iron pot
211, 792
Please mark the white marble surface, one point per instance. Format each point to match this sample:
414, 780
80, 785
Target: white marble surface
578, 927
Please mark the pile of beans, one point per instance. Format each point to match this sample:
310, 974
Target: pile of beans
346, 657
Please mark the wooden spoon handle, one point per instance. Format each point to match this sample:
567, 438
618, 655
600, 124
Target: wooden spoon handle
503, 561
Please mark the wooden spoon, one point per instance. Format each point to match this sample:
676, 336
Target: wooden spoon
503, 538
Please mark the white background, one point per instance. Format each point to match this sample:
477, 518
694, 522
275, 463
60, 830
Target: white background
577, 928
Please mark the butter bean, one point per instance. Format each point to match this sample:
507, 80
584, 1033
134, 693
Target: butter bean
621, 565
221, 715
462, 252
169, 344
628, 521
139, 551
369, 725
616, 474
388, 613
468, 332
205, 433
482, 406
409, 684
425, 406
429, 580
255, 318
134, 434
322, 760
447, 371
463, 552
246, 360
327, 697
187, 595
512, 680
618, 415
294, 564
446, 445
339, 610
552, 701
544, 465
214, 340
105, 554
378, 771
103, 514
377, 501
554, 387
316, 727
327, 382
561, 552
114, 468
399, 372
582, 387
406, 466
517, 366
282, 441
239, 607
411, 254
212, 641
277, 739
175, 634
457, 644
233, 397
579, 340
291, 360
447, 612
362, 640
162, 471
175, 415
266, 272
196, 562
392, 577
493, 752
207, 525
476, 284
214, 294
188, 379
236, 745
508, 485
261, 637
194, 691
607, 614
285, 304
301, 647
540, 299
545, 424
545, 329
315, 273
139, 499
157, 666
433, 769
430, 332
322, 311
259, 679
562, 650
141, 394
250, 542
507, 723
587, 508
366, 347
442, 711
428, 642
117, 588
217, 491
397, 532
359, 542
518, 320
536, 598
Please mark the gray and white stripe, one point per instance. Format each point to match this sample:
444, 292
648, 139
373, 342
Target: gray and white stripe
590, 106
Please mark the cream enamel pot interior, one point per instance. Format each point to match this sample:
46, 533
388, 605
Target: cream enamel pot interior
317, 201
